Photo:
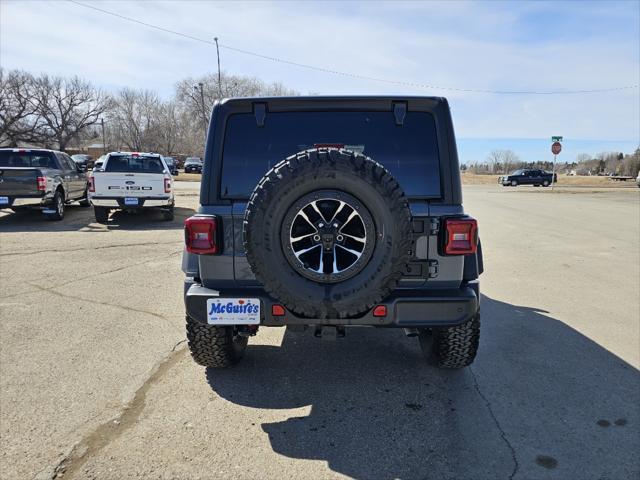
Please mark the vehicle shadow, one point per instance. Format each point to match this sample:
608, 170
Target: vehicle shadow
147, 219
541, 401
77, 218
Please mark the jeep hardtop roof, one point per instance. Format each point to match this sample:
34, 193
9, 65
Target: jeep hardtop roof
324, 98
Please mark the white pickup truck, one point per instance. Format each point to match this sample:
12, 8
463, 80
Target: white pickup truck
131, 181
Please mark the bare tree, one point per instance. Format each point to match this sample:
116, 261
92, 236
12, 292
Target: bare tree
188, 90
18, 119
68, 107
502, 161
510, 159
196, 96
134, 116
583, 157
57, 112
631, 163
168, 128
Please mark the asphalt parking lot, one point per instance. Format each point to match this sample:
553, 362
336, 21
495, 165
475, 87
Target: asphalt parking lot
96, 381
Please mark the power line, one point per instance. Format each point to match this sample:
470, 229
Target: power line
348, 74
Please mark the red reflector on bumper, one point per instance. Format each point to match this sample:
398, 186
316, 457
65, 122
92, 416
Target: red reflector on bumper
380, 311
277, 310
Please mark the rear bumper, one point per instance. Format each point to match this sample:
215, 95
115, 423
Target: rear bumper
27, 201
143, 202
405, 308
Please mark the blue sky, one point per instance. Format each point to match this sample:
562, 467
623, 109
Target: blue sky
492, 45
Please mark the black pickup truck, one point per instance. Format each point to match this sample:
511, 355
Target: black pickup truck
528, 177
43, 179
332, 212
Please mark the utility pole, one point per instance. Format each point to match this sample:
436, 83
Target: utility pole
219, 75
200, 86
104, 140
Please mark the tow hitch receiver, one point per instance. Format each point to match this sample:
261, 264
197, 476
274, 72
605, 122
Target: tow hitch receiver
247, 330
329, 332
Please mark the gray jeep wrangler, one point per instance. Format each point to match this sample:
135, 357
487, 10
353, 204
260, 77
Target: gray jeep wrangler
331, 212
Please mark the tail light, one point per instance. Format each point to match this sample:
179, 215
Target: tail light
277, 310
200, 235
92, 184
42, 184
167, 185
461, 236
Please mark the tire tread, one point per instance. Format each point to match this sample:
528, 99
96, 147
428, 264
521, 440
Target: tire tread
213, 346
456, 347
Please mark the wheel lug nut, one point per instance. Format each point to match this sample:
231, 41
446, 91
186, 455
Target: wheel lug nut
339, 238
316, 238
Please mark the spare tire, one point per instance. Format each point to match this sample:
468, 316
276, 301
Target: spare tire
327, 232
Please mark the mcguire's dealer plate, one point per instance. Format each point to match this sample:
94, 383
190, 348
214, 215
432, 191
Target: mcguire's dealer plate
233, 311
130, 201
4, 200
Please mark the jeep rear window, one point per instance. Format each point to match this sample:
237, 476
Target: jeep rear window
410, 151
130, 163
9, 158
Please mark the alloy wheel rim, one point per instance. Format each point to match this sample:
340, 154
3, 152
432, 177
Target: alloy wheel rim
329, 236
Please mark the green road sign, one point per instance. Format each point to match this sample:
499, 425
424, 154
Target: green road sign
556, 139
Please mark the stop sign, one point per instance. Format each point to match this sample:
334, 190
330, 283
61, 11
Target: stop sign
556, 148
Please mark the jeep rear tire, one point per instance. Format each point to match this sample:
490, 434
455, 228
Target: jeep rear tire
327, 232
452, 347
215, 346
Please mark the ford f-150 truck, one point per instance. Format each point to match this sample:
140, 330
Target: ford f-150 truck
332, 212
42, 179
131, 181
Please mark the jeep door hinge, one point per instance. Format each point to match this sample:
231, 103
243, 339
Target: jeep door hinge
434, 226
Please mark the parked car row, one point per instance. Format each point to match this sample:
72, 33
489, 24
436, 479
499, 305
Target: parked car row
49, 180
194, 163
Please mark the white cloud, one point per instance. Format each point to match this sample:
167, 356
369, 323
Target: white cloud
502, 46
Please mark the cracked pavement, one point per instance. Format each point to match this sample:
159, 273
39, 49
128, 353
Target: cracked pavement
96, 380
